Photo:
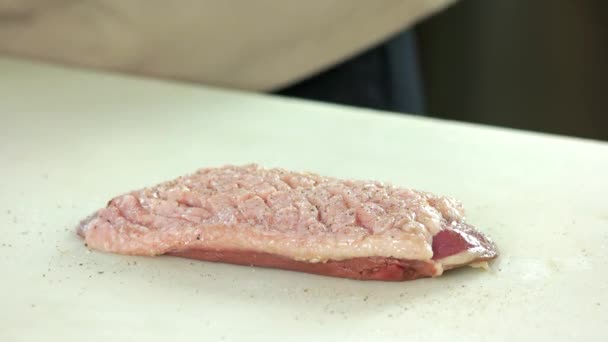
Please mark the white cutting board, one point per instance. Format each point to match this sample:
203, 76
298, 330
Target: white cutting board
69, 141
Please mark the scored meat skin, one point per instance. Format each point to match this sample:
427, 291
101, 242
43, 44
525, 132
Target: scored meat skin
298, 221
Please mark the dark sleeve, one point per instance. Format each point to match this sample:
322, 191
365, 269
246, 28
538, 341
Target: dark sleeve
386, 77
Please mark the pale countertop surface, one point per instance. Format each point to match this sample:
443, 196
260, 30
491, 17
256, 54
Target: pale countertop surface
71, 140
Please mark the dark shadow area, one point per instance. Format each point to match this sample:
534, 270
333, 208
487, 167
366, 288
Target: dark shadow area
535, 65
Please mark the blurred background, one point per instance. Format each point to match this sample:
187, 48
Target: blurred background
539, 65
535, 65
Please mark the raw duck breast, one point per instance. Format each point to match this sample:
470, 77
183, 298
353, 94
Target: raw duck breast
249, 215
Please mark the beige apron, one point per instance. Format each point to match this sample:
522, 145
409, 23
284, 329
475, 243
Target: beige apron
256, 45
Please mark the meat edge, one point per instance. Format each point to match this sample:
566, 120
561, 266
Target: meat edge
461, 245
362, 268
